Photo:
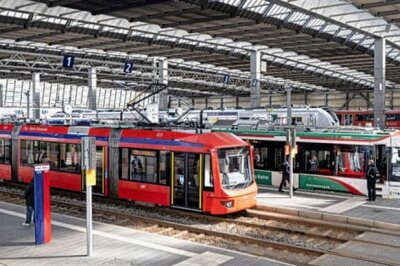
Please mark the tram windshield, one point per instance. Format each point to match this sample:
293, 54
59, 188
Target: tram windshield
234, 165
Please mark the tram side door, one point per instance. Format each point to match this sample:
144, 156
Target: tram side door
186, 180
101, 158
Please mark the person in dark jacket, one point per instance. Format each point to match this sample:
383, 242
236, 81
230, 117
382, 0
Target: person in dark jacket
371, 176
30, 203
285, 175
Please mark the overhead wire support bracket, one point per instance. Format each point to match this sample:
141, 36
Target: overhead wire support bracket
131, 105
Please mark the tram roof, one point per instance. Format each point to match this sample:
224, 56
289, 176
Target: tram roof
344, 136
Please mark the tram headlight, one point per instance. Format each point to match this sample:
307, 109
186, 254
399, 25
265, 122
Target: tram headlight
228, 203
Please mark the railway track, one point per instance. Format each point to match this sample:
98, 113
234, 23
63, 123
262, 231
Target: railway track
280, 239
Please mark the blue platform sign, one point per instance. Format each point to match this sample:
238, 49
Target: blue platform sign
128, 66
226, 79
68, 61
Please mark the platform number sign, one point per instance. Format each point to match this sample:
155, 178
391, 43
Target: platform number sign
254, 82
128, 66
226, 79
68, 61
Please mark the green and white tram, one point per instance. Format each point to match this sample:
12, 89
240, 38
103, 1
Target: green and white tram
341, 159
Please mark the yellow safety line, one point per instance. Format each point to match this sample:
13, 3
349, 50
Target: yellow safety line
201, 181
172, 177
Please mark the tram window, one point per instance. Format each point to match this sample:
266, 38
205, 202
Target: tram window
318, 161
392, 117
339, 116
29, 152
278, 158
124, 163
2, 151
70, 157
7, 151
164, 165
395, 161
179, 169
208, 180
351, 161
194, 166
261, 157
348, 120
143, 166
49, 153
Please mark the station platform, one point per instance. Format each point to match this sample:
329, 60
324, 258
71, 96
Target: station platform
113, 245
331, 203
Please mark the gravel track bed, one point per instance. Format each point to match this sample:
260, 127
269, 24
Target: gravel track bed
301, 228
294, 239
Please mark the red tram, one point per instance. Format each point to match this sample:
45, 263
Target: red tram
366, 118
210, 172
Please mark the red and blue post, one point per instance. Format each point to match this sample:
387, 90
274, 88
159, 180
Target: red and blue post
42, 205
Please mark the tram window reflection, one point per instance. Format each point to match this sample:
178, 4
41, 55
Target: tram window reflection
351, 161
208, 180
143, 166
5, 151
70, 157
318, 160
261, 157
124, 163
165, 169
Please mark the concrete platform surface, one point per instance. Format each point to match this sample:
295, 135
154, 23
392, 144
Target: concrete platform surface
113, 245
338, 204
369, 248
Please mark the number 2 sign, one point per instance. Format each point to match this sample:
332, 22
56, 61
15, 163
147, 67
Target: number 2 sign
128, 67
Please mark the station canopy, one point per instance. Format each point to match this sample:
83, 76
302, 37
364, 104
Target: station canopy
325, 45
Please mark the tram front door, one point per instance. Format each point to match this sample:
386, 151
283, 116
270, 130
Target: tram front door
186, 180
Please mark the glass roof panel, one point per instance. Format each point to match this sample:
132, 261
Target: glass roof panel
230, 2
257, 6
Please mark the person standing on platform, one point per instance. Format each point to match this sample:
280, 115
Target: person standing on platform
285, 175
372, 175
30, 203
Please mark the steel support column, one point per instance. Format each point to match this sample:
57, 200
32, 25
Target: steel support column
92, 78
391, 100
163, 79
288, 90
255, 69
326, 100
35, 96
379, 86
1, 96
